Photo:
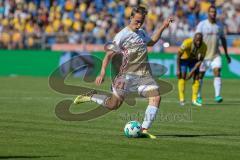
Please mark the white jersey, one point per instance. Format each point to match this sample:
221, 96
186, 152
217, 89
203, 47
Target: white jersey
211, 35
133, 46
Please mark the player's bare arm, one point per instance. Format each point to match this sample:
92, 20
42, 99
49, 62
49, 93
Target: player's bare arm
196, 66
105, 62
191, 73
156, 36
178, 63
224, 44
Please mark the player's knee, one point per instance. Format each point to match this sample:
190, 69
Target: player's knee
157, 98
201, 75
155, 101
183, 75
179, 76
114, 105
216, 72
152, 92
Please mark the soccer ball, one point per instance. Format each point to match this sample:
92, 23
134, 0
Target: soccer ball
133, 129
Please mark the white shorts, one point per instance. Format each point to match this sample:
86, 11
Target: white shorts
214, 63
125, 85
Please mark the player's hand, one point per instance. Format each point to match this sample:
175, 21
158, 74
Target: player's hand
168, 21
189, 76
99, 80
228, 59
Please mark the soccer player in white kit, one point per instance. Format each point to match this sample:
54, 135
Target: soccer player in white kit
212, 31
135, 72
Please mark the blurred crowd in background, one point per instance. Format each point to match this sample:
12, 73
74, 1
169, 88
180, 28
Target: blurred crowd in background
42, 23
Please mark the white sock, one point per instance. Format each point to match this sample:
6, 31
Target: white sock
150, 115
200, 88
217, 85
99, 99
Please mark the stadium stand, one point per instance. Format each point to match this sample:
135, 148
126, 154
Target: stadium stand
42, 23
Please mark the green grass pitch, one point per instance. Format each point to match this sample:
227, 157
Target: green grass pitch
29, 128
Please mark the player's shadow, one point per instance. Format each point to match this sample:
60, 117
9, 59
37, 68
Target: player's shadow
26, 157
194, 135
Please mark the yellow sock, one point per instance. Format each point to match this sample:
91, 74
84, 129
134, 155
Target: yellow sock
195, 87
181, 88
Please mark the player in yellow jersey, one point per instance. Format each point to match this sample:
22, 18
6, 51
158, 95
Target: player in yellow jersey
190, 56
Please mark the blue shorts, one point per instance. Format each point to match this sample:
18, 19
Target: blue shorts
187, 65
